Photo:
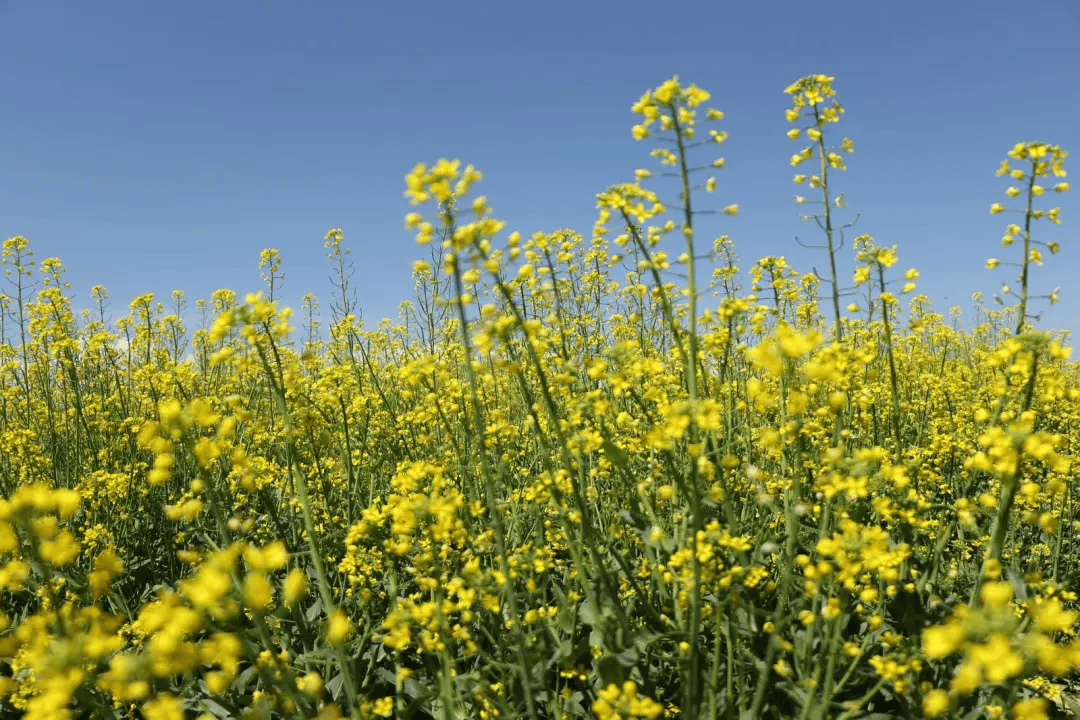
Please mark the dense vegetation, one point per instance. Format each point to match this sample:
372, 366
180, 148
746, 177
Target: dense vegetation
583, 476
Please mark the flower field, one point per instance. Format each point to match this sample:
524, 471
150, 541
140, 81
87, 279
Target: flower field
586, 475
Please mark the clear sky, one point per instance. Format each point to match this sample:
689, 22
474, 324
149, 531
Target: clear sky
155, 146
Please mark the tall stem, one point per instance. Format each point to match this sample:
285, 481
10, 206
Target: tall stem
838, 330
1026, 263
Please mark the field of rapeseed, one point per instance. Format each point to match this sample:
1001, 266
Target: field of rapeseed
585, 476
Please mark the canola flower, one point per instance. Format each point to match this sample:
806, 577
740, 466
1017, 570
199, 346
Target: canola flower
584, 476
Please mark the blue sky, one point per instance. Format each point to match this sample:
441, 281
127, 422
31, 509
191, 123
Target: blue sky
157, 146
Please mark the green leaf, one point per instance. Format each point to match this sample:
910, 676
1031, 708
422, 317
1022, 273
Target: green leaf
628, 657
217, 708
241, 683
616, 455
611, 671
566, 619
334, 685
588, 616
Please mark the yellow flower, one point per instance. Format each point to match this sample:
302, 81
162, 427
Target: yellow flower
996, 594
296, 586
61, 550
615, 703
1051, 616
338, 628
765, 356
310, 684
695, 96
258, 593
273, 556
206, 587
106, 566
997, 658
1030, 709
66, 502
163, 707
941, 640
967, 678
665, 94
935, 703
217, 681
